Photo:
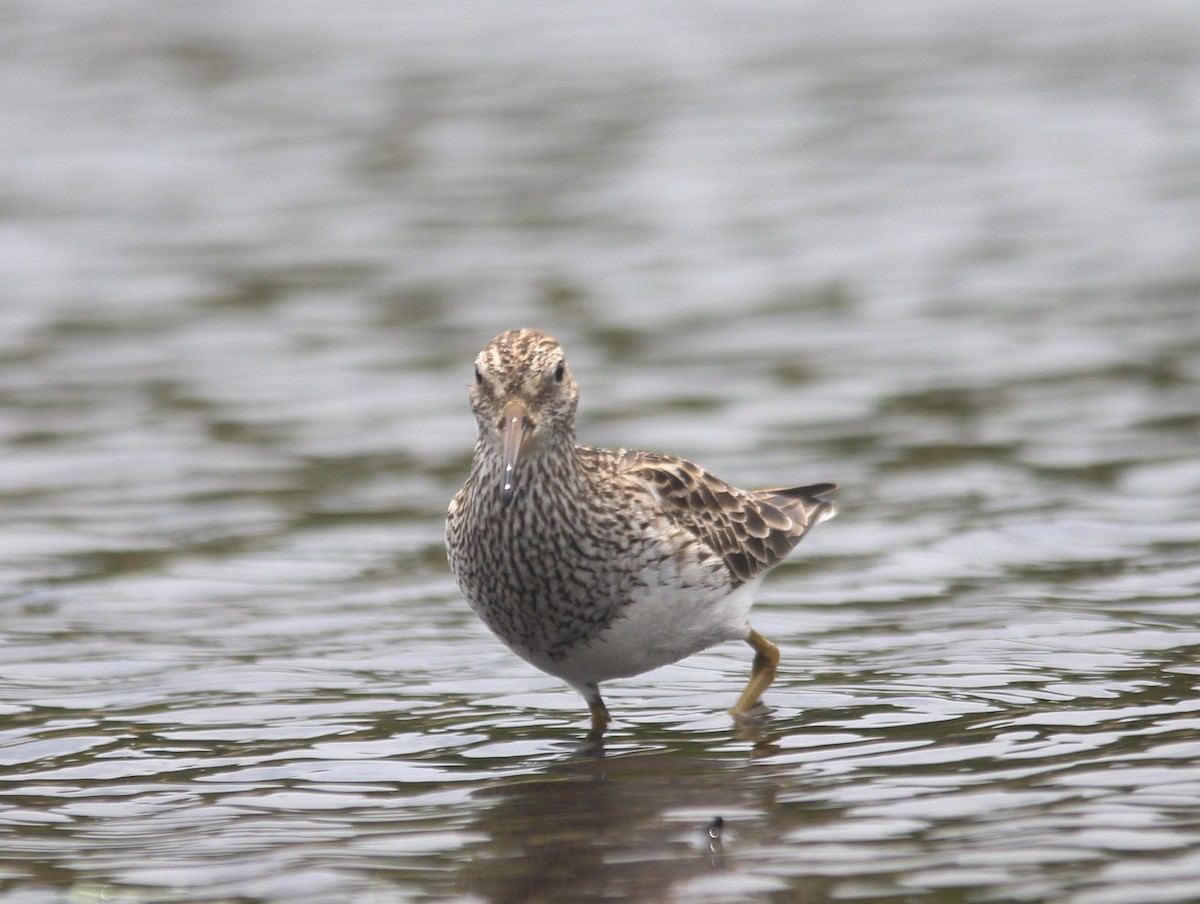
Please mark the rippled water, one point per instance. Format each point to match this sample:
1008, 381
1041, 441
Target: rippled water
945, 255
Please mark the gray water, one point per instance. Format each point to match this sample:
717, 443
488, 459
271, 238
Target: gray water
945, 254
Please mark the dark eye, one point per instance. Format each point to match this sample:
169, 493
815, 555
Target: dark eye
560, 371
478, 377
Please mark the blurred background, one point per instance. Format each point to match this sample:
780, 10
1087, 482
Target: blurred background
946, 255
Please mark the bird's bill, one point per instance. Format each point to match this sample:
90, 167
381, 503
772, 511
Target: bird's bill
516, 429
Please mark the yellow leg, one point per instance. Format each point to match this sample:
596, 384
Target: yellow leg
600, 716
766, 660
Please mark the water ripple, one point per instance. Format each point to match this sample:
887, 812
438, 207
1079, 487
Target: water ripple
942, 256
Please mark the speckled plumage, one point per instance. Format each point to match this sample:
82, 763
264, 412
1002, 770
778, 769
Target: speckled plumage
594, 564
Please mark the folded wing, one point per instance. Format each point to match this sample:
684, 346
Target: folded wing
750, 530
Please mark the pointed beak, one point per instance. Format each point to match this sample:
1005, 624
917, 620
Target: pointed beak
516, 429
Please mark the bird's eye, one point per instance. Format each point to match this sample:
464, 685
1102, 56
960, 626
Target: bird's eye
560, 371
478, 377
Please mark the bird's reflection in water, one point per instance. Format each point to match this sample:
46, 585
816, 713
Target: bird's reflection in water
607, 822
594, 828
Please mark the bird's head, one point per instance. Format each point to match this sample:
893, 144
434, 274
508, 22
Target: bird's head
524, 399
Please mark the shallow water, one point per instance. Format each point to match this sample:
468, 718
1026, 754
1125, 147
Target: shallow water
944, 256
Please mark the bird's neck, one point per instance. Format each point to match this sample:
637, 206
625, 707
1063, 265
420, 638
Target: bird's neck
550, 469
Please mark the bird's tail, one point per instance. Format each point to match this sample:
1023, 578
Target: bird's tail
808, 500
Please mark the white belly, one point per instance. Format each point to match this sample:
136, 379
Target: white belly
654, 630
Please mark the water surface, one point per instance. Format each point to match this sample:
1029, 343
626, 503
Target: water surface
944, 256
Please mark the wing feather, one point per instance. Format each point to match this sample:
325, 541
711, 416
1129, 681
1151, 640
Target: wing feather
750, 530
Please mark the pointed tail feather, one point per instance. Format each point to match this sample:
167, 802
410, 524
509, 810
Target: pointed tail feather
806, 499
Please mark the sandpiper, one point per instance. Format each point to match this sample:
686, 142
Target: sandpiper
594, 564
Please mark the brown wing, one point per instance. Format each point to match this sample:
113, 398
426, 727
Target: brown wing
752, 531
